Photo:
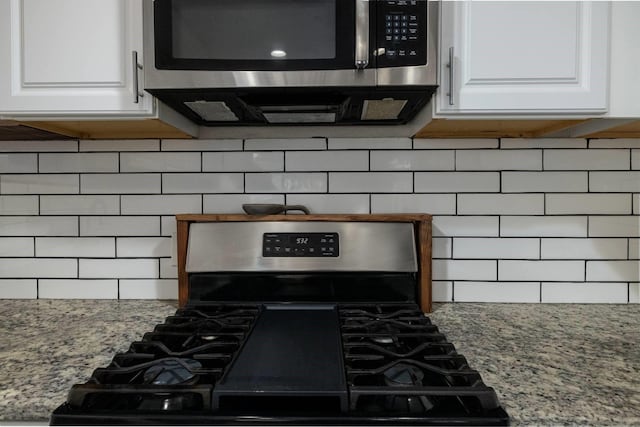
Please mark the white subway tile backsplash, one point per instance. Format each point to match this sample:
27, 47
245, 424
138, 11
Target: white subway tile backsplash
149, 289
79, 205
634, 248
588, 203
38, 267
496, 160
232, 203
457, 182
442, 291
147, 247
257, 161
286, 182
506, 218
118, 268
614, 143
522, 292
78, 162
161, 204
543, 143
38, 226
202, 183
504, 248
454, 144
412, 160
78, 289
544, 182
445, 269
124, 183
613, 271
18, 205
370, 182
584, 248
160, 162
18, 289
71, 247
285, 144
543, 226
18, 163
615, 182
331, 203
368, 143
327, 160
466, 226
500, 204
38, 146
540, 270
634, 293
39, 184
441, 247
168, 225
436, 204
584, 293
201, 145
119, 226
167, 269
16, 246
586, 160
120, 145
614, 226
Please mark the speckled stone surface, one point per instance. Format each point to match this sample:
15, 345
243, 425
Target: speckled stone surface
550, 364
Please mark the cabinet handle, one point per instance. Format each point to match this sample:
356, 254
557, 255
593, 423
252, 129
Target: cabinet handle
137, 94
450, 67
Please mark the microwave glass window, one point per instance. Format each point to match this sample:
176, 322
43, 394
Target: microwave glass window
254, 29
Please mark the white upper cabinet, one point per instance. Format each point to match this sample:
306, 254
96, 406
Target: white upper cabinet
526, 58
72, 57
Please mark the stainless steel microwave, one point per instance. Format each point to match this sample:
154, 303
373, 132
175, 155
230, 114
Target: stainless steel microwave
245, 62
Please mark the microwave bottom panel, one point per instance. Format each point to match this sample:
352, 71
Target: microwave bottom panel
298, 106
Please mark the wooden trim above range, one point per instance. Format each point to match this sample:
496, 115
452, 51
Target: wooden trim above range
421, 223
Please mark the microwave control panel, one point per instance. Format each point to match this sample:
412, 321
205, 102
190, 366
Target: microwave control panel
402, 33
300, 245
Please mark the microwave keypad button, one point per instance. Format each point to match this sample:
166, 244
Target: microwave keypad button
387, 17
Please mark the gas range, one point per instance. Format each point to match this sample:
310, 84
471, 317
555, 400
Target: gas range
303, 334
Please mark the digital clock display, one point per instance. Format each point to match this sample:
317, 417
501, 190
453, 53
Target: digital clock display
300, 245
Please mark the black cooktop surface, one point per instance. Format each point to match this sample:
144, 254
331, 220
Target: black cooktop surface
316, 364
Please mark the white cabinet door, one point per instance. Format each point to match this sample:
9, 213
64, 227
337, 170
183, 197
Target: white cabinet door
70, 57
521, 57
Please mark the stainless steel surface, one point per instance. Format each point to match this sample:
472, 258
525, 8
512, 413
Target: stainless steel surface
362, 34
195, 79
364, 246
450, 67
134, 75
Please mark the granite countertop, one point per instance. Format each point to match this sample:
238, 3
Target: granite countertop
549, 364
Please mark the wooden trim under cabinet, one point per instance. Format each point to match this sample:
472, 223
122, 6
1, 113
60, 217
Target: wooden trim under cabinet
421, 223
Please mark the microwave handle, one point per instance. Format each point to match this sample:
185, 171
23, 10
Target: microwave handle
362, 33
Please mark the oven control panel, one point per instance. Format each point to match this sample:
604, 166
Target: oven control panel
300, 245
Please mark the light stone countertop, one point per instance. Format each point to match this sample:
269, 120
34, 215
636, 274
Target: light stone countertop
550, 364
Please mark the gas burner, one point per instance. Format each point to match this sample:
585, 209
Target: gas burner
403, 374
382, 340
172, 371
